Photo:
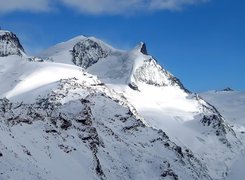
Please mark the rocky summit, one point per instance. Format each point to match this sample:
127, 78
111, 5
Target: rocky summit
9, 44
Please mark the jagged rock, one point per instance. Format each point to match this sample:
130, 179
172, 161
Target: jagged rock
87, 52
153, 74
169, 173
9, 44
133, 86
143, 49
51, 131
213, 119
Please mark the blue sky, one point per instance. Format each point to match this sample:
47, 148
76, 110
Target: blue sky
202, 42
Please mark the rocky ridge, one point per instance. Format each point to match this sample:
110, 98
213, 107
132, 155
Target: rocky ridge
10, 44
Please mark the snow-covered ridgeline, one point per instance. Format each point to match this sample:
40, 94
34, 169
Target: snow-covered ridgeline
107, 114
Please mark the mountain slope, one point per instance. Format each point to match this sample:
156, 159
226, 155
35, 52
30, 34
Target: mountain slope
112, 145
86, 109
160, 98
109, 64
59, 122
231, 104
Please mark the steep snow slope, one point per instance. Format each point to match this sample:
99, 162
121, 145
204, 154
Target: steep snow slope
189, 121
231, 104
160, 99
58, 127
23, 80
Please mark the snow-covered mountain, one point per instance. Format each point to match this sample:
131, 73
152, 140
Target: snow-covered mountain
9, 44
111, 65
159, 98
84, 109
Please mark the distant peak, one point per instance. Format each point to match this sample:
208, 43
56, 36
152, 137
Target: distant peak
227, 89
141, 47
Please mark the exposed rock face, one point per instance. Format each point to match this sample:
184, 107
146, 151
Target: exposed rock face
87, 52
213, 119
133, 86
9, 44
143, 49
152, 73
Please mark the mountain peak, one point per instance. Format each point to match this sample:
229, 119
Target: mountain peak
227, 89
141, 47
9, 44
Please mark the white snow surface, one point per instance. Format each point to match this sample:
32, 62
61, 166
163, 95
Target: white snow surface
22, 80
231, 104
107, 121
3, 32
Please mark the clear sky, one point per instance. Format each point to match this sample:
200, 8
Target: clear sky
202, 42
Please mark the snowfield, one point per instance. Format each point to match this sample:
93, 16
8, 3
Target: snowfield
231, 104
84, 109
